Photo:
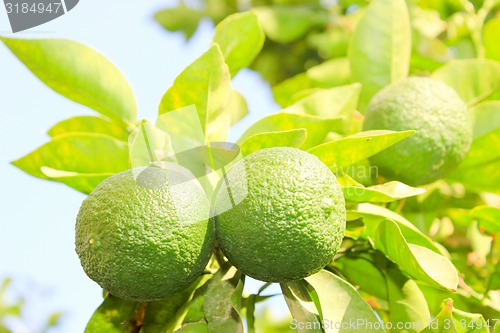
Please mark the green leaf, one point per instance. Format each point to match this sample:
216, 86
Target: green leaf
418, 261
373, 215
168, 315
451, 320
488, 218
301, 306
180, 18
407, 304
116, 315
89, 124
285, 24
317, 127
148, 144
470, 322
444, 322
473, 79
380, 48
491, 32
221, 301
341, 303
240, 38
480, 178
79, 73
201, 327
331, 73
292, 138
486, 117
238, 107
483, 150
334, 102
387, 192
365, 273
206, 84
80, 160
82, 182
195, 312
483, 154
347, 151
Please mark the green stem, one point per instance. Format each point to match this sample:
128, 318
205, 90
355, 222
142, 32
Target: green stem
478, 23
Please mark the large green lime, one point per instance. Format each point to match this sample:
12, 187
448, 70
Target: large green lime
440, 117
144, 234
291, 221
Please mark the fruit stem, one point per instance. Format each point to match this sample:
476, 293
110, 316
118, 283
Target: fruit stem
140, 313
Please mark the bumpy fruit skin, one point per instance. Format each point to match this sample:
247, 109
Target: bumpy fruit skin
443, 125
148, 241
292, 220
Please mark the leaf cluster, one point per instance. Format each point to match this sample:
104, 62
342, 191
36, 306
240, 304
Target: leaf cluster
426, 255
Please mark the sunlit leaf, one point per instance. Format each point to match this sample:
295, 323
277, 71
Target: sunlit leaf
148, 144
387, 192
480, 178
483, 154
347, 151
79, 73
331, 73
82, 182
365, 273
240, 38
470, 322
80, 160
180, 18
451, 320
486, 117
483, 150
373, 215
418, 261
206, 84
407, 304
488, 218
301, 305
386, 24
89, 124
292, 138
238, 107
334, 102
473, 79
341, 303
490, 39
116, 315
317, 127
285, 24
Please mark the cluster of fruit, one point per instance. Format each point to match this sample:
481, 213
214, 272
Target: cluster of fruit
149, 242
145, 243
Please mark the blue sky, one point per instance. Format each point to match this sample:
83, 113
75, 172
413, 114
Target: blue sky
37, 219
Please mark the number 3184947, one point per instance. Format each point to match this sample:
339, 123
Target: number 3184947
25, 8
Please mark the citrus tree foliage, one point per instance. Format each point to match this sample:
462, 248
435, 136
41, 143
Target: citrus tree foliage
11, 312
425, 256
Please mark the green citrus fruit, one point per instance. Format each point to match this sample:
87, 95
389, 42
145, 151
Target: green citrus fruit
440, 117
145, 234
291, 221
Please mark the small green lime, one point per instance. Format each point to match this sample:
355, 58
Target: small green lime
291, 221
145, 234
441, 119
